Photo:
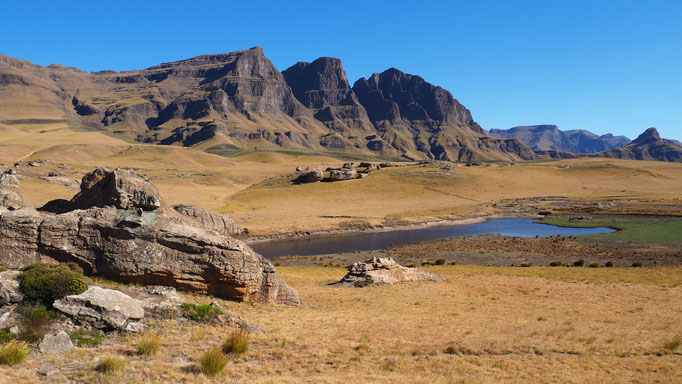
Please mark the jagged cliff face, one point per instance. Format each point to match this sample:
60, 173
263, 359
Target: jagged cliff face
240, 100
550, 138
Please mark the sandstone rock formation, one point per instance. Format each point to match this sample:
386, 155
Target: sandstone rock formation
209, 219
126, 233
342, 174
383, 271
309, 176
11, 197
239, 100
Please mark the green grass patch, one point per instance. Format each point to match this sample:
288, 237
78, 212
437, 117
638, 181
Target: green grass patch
638, 229
86, 338
200, 312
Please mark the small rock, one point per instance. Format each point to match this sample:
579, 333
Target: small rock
135, 326
47, 369
9, 288
53, 344
14, 330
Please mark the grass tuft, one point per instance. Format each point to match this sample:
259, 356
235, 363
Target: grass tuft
237, 342
637, 264
212, 362
110, 365
555, 264
13, 353
594, 265
579, 263
86, 338
674, 343
148, 344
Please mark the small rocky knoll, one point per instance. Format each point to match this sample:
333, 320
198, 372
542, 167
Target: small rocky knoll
379, 270
118, 227
348, 171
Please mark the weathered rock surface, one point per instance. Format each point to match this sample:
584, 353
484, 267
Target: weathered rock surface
9, 288
209, 219
310, 176
342, 174
103, 308
54, 344
128, 234
383, 271
11, 197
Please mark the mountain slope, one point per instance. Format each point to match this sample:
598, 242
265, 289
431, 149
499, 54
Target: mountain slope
239, 100
550, 138
648, 146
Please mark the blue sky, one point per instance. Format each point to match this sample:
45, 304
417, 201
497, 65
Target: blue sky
605, 66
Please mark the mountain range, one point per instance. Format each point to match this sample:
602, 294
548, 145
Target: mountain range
240, 101
550, 138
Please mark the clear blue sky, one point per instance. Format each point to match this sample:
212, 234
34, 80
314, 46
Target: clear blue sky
605, 66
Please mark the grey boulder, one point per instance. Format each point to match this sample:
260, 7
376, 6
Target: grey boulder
9, 288
53, 344
103, 308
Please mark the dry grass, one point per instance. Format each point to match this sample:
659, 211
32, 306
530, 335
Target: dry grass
212, 362
111, 365
148, 344
237, 343
543, 326
13, 353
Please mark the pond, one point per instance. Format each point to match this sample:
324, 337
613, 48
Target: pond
368, 241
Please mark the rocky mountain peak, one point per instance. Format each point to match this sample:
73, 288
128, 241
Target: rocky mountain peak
649, 136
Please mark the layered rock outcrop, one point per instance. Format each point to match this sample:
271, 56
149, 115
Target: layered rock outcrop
118, 226
380, 270
550, 138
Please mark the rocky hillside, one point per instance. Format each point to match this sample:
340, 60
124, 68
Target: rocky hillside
550, 138
648, 146
240, 100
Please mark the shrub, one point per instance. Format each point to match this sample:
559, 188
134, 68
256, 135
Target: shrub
13, 353
83, 338
148, 344
111, 364
428, 262
440, 262
637, 264
526, 264
36, 318
5, 335
411, 265
579, 263
47, 283
609, 264
594, 264
452, 263
555, 264
237, 343
212, 362
200, 312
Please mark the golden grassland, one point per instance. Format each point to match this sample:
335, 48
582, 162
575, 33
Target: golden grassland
483, 325
255, 190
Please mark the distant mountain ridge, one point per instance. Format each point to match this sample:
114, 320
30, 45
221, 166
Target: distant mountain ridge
550, 138
239, 100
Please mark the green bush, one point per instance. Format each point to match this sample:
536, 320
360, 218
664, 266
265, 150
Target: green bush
555, 264
637, 264
111, 364
526, 264
237, 343
200, 312
440, 262
428, 262
85, 338
212, 362
5, 335
411, 265
13, 353
579, 263
609, 264
594, 264
47, 283
452, 263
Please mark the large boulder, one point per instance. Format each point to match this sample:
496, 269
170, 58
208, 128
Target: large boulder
9, 288
310, 176
383, 271
103, 308
119, 227
342, 174
11, 197
209, 219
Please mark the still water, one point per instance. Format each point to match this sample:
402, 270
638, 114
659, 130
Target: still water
321, 245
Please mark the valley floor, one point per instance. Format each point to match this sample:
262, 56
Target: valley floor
484, 324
